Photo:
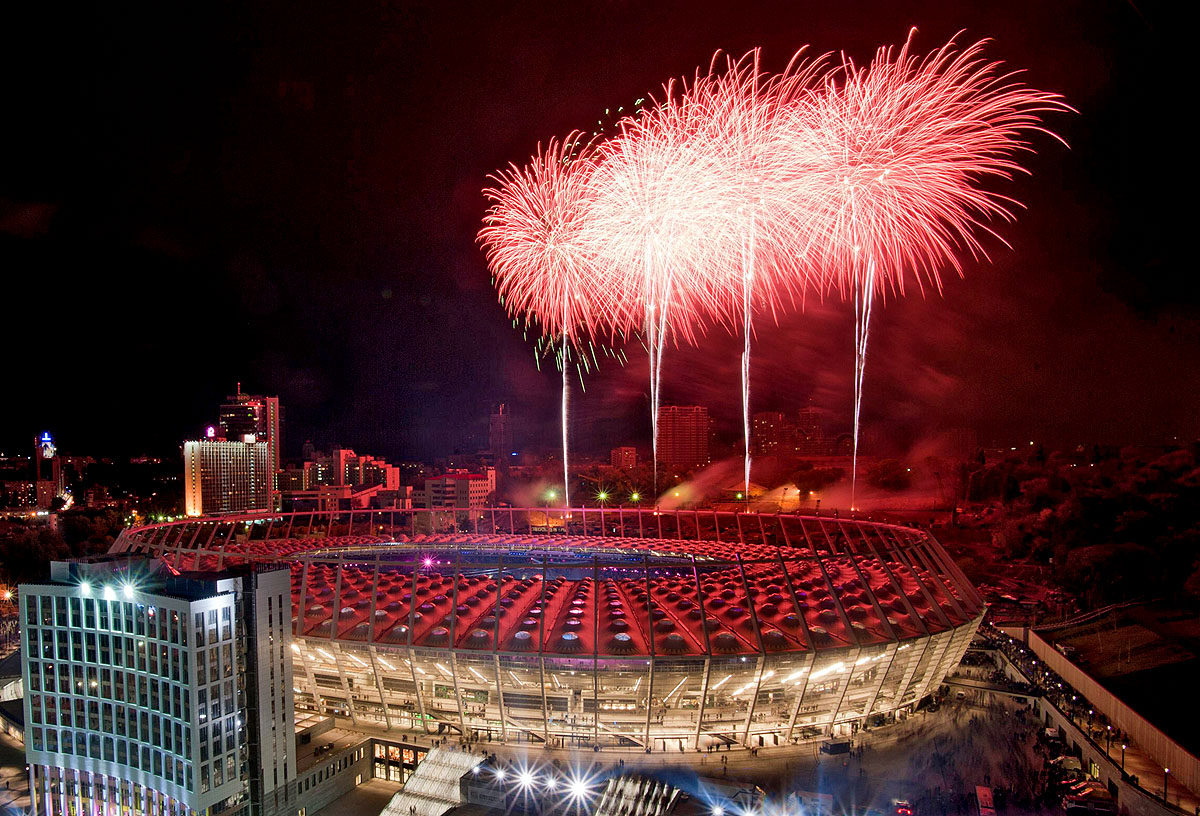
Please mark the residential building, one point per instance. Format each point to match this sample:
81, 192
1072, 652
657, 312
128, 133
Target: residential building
770, 434
624, 458
500, 439
48, 475
457, 489
246, 415
683, 432
222, 476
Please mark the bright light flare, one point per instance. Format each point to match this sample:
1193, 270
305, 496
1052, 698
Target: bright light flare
579, 787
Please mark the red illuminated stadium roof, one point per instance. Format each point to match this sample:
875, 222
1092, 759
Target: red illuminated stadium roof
797, 584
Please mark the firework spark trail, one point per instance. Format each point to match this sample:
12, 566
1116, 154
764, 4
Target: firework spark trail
747, 290
541, 256
660, 208
736, 114
741, 191
863, 296
566, 413
892, 156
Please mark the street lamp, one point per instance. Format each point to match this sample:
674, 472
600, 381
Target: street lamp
1123, 747
1108, 743
1166, 773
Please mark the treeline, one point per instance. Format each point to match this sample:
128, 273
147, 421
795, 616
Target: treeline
1112, 525
27, 550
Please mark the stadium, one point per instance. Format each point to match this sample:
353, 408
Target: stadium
601, 628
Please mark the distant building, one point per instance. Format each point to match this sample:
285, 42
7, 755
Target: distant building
809, 437
624, 458
150, 691
220, 476
459, 490
770, 434
293, 478
348, 497
345, 467
500, 440
808, 425
245, 415
344, 480
48, 475
683, 432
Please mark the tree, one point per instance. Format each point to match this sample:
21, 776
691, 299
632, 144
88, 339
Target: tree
889, 474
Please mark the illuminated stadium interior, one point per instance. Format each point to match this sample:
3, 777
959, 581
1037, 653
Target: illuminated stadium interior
609, 628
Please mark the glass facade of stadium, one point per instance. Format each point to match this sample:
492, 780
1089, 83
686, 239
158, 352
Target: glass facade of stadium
632, 629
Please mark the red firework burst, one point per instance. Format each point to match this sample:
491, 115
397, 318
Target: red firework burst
542, 255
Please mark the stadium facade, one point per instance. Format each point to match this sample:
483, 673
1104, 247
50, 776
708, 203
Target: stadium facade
601, 627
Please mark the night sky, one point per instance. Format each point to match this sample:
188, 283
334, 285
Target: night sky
287, 195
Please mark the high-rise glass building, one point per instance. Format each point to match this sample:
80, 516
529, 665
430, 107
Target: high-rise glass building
158, 692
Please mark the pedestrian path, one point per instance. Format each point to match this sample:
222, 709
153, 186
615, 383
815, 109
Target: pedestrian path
14, 781
1125, 754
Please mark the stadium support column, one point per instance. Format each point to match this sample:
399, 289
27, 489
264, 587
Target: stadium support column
703, 702
845, 688
708, 651
650, 641
762, 649
303, 598
387, 714
893, 650
224, 544
906, 681
337, 650
334, 626
371, 651
596, 642
812, 661
500, 697
545, 705
458, 700
541, 654
374, 600
462, 720
322, 709
412, 668
762, 664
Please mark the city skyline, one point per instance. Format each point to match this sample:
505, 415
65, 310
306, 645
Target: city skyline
422, 407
